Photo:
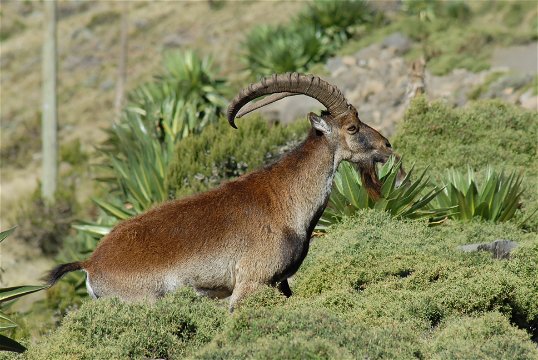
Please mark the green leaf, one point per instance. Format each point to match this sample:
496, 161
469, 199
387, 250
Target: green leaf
4, 234
7, 344
5, 322
113, 210
10, 293
100, 230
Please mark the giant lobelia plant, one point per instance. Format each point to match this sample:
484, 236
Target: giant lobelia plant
179, 103
409, 200
496, 199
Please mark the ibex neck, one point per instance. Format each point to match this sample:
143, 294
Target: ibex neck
307, 173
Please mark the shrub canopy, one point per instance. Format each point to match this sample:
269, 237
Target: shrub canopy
373, 287
221, 152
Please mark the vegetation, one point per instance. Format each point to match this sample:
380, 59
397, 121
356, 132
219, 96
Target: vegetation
310, 38
456, 34
181, 102
221, 152
285, 49
377, 285
486, 133
6, 295
338, 21
497, 199
46, 225
409, 200
374, 287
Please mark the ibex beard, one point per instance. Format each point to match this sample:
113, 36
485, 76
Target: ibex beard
249, 232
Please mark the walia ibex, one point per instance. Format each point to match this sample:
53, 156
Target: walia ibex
248, 232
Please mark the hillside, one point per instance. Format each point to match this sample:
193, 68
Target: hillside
87, 71
374, 285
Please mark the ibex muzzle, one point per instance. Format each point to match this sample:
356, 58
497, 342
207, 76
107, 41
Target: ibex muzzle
248, 232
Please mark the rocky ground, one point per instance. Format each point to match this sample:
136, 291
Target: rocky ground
375, 80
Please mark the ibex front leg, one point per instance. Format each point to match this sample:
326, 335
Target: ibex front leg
284, 288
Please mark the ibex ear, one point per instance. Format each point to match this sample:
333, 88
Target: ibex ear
319, 123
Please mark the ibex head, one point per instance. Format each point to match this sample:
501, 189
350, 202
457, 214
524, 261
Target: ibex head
350, 139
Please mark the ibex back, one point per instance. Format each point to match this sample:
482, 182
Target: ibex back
248, 232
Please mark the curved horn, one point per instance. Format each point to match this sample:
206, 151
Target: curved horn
283, 85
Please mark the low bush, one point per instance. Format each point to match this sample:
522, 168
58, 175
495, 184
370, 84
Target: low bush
46, 225
108, 328
373, 287
485, 133
431, 10
221, 152
458, 34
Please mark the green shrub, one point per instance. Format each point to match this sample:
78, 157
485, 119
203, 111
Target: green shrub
307, 333
373, 287
72, 153
46, 225
456, 34
410, 200
485, 133
337, 21
101, 18
312, 36
432, 10
280, 49
484, 336
221, 152
109, 328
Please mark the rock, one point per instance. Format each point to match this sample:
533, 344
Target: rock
175, 40
528, 100
500, 249
505, 86
368, 52
141, 24
335, 66
290, 109
73, 62
398, 42
373, 86
349, 60
107, 85
521, 59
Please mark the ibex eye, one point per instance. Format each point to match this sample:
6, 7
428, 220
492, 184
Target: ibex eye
352, 129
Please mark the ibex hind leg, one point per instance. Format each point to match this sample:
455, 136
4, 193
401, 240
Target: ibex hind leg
241, 291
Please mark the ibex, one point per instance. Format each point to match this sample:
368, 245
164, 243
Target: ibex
252, 231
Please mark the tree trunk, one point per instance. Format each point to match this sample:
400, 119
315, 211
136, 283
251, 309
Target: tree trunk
122, 65
49, 113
